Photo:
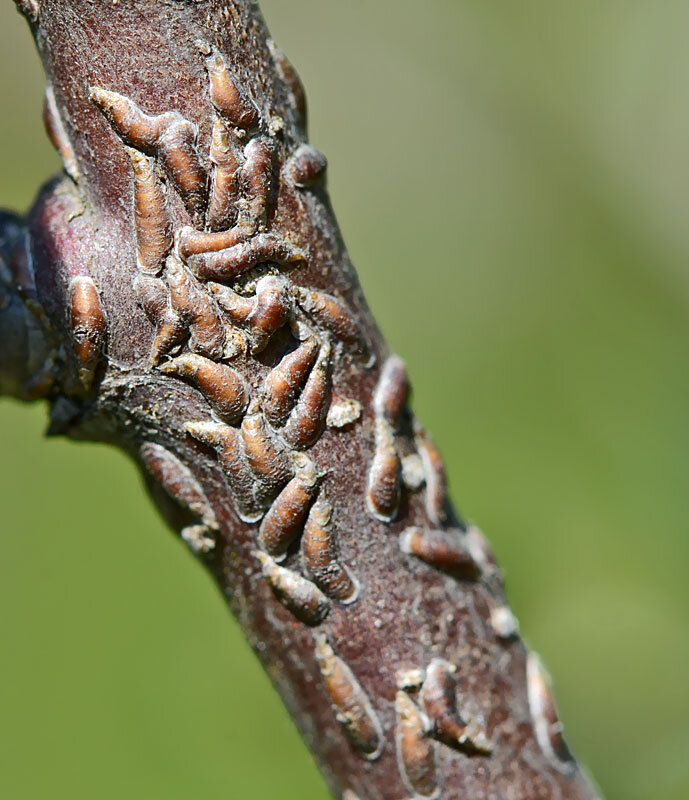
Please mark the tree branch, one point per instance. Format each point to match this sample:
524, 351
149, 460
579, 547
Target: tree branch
183, 293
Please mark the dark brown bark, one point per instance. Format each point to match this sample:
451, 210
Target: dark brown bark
184, 293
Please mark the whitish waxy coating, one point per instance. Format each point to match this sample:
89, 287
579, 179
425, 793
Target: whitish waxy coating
350, 703
505, 624
87, 321
438, 700
299, 596
546, 721
415, 751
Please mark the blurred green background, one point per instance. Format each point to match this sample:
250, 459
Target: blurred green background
512, 180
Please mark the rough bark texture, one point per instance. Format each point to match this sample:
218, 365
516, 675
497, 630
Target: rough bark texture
183, 293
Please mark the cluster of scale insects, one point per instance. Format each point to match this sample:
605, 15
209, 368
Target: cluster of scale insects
215, 290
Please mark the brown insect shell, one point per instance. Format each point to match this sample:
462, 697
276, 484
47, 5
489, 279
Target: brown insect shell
384, 489
284, 520
191, 242
256, 180
226, 265
196, 308
236, 306
88, 325
134, 127
283, 381
154, 298
57, 134
227, 443
176, 149
392, 393
331, 314
350, 703
222, 386
299, 596
436, 481
306, 166
226, 96
272, 308
267, 458
307, 420
178, 481
546, 722
441, 549
438, 700
221, 211
291, 78
415, 751
320, 555
153, 225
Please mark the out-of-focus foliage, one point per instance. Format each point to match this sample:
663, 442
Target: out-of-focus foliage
512, 180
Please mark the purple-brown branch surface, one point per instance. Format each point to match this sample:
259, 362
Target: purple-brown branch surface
182, 292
